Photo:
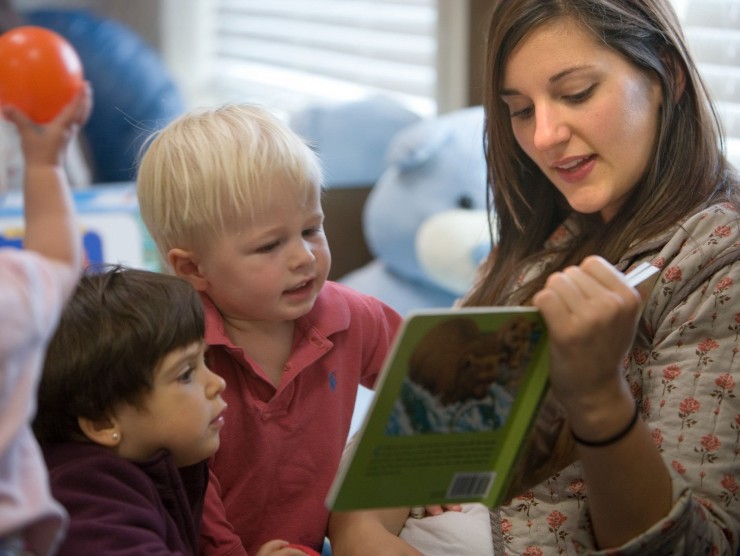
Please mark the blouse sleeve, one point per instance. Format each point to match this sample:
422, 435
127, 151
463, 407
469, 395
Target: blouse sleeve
31, 298
685, 378
31, 301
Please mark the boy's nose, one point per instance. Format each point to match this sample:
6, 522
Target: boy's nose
302, 254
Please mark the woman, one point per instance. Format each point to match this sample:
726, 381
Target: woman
604, 151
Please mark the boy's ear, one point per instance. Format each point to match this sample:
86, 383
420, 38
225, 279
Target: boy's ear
185, 265
103, 431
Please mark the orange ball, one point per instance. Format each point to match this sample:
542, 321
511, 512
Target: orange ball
40, 72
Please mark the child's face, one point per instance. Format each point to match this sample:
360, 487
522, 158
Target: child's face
270, 268
182, 413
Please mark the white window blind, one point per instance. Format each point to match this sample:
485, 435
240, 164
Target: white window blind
289, 52
712, 30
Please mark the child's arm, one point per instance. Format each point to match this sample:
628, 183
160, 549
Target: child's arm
369, 533
283, 548
217, 537
51, 228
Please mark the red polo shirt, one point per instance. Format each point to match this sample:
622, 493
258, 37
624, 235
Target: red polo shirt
280, 447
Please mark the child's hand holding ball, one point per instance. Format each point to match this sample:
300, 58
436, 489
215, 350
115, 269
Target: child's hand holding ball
40, 72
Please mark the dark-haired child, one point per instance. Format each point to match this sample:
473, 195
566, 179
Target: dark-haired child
128, 415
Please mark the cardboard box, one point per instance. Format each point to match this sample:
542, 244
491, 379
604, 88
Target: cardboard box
112, 230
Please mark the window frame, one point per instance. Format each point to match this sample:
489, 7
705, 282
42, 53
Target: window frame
188, 49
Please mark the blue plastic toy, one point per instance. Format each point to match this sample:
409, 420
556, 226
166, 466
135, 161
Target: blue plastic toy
133, 93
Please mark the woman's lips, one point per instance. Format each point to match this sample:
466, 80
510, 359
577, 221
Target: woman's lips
575, 169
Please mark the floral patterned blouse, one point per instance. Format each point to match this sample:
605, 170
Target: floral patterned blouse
684, 371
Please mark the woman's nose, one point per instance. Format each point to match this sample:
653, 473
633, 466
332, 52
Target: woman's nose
550, 128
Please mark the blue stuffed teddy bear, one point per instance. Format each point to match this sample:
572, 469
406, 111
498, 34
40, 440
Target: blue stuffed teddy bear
425, 220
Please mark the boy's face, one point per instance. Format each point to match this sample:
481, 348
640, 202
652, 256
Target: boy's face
270, 268
183, 412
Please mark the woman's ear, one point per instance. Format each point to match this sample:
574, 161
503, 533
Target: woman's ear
185, 265
677, 71
103, 431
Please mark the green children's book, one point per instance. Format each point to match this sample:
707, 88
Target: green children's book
454, 406
452, 409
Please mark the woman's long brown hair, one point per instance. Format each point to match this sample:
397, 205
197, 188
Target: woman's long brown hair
687, 168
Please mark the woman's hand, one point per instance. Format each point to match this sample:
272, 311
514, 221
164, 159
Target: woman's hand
592, 315
436, 509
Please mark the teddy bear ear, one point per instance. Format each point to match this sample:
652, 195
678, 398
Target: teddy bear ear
416, 144
326, 127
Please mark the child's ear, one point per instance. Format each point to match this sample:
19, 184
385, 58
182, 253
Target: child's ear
103, 431
185, 265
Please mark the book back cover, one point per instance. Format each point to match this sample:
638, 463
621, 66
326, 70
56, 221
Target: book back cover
453, 407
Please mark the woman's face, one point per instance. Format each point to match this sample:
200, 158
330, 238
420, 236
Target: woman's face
583, 114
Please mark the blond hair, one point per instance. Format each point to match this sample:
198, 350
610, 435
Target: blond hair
212, 168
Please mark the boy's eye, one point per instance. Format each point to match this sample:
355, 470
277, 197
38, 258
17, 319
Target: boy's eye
268, 247
311, 231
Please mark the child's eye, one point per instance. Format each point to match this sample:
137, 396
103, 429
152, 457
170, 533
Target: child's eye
267, 248
187, 375
309, 232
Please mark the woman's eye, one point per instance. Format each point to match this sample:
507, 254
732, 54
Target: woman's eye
582, 95
521, 113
